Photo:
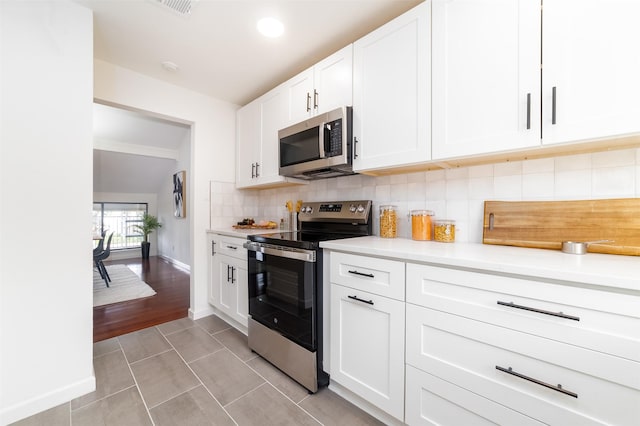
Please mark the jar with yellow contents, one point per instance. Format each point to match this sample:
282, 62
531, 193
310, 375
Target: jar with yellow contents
445, 231
388, 221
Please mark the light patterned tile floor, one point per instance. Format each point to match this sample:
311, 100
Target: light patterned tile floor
194, 373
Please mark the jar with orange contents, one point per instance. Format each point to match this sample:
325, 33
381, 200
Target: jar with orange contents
421, 225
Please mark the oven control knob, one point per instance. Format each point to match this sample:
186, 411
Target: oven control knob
360, 208
309, 209
352, 208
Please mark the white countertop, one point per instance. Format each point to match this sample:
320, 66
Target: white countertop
592, 268
241, 233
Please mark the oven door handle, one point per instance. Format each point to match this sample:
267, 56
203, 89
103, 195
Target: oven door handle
288, 252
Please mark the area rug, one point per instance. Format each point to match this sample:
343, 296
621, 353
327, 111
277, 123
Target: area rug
124, 285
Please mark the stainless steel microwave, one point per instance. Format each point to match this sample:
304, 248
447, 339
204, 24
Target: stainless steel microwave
319, 147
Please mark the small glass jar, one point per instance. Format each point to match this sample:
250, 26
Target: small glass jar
445, 231
388, 221
421, 225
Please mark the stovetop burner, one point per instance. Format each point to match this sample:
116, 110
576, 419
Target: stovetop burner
324, 221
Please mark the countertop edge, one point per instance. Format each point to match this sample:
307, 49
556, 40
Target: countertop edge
602, 270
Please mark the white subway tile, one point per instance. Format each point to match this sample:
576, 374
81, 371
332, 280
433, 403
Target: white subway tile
417, 191
538, 185
435, 175
539, 165
419, 177
509, 168
613, 182
481, 188
573, 185
436, 190
457, 173
572, 162
508, 187
457, 189
617, 158
397, 179
484, 170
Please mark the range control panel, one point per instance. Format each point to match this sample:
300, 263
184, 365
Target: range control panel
321, 211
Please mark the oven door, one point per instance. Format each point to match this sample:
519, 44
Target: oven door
282, 291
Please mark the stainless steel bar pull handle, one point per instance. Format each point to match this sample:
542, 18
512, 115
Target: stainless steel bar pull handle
232, 247
557, 388
253, 170
553, 105
368, 302
233, 278
257, 170
539, 311
355, 147
228, 273
362, 274
315, 99
213, 248
308, 102
528, 111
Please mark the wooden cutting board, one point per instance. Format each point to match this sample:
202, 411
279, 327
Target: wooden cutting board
545, 224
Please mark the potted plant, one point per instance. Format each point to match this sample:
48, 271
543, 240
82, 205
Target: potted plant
149, 224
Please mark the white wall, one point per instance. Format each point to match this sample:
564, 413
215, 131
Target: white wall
456, 194
152, 202
212, 149
173, 237
46, 300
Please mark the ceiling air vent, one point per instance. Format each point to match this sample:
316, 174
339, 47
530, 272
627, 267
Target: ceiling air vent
181, 7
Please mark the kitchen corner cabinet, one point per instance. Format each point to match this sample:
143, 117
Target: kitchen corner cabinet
367, 330
228, 278
257, 141
321, 88
392, 93
512, 75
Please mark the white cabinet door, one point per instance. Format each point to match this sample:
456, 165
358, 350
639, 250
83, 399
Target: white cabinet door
274, 117
486, 76
323, 87
214, 270
333, 81
367, 347
391, 93
232, 296
590, 56
300, 96
249, 140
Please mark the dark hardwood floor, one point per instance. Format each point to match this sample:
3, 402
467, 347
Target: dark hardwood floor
170, 303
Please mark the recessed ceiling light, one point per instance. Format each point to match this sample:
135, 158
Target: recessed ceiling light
270, 27
169, 66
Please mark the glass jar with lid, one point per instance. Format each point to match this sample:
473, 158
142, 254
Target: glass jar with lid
421, 225
388, 221
445, 231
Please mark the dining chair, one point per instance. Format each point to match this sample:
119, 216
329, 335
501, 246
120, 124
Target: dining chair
100, 256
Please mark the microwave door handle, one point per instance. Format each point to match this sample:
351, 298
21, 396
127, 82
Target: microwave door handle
322, 144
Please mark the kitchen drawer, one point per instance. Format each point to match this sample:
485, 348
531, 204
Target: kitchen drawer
607, 387
596, 319
230, 246
378, 276
432, 401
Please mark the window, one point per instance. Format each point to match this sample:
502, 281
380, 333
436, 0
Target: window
119, 218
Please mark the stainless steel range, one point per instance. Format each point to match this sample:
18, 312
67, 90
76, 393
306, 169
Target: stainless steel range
285, 287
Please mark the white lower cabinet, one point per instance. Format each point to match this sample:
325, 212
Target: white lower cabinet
367, 347
228, 278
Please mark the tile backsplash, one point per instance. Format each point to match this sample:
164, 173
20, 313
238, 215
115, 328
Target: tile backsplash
456, 194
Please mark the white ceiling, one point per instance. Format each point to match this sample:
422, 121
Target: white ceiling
218, 49
219, 53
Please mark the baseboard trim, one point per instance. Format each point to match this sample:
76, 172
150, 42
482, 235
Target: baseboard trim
176, 263
363, 405
46, 401
195, 315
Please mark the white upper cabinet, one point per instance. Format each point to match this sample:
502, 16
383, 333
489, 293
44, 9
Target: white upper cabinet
486, 76
391, 93
257, 141
323, 87
590, 56
249, 141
